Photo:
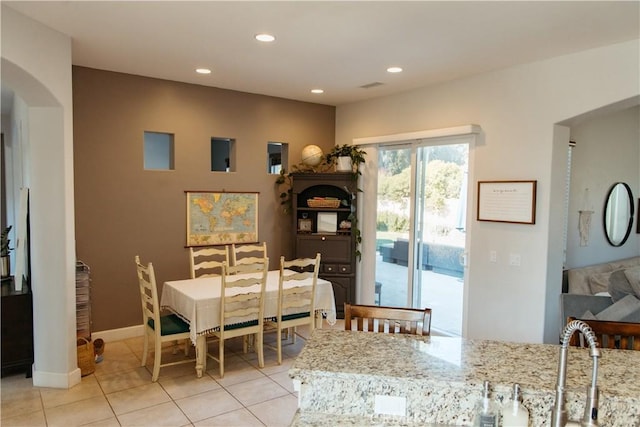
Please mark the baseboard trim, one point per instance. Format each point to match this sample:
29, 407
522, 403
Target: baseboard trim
56, 380
111, 335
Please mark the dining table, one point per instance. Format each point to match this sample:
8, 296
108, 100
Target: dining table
197, 302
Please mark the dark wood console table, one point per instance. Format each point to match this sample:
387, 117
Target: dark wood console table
17, 328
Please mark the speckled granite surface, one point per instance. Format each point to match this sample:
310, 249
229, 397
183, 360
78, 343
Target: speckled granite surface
441, 378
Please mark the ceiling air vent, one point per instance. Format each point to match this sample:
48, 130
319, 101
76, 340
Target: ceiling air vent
370, 85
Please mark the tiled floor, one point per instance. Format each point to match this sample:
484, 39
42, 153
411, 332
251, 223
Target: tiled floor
120, 392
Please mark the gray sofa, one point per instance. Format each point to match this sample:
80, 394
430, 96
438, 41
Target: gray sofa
608, 291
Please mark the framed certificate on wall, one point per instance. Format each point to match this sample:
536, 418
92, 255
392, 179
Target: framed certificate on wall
507, 201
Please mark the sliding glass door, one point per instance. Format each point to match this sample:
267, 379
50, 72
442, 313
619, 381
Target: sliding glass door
420, 230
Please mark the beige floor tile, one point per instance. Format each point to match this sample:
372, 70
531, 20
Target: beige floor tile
277, 412
16, 382
256, 391
116, 361
110, 383
208, 404
79, 413
238, 418
236, 370
272, 367
165, 414
188, 385
284, 380
30, 419
109, 422
137, 398
86, 389
19, 402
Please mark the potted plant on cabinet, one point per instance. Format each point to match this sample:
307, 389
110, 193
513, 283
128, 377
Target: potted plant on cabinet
5, 249
347, 158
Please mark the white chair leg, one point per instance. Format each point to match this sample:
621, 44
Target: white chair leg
221, 356
260, 349
156, 361
145, 349
279, 344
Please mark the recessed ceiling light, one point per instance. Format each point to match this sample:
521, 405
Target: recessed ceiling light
394, 70
317, 91
265, 37
203, 71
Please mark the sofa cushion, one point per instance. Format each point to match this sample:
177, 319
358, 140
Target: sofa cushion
619, 286
579, 278
588, 315
599, 282
633, 276
625, 310
573, 305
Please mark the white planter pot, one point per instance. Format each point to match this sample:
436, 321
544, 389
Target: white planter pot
343, 164
4, 266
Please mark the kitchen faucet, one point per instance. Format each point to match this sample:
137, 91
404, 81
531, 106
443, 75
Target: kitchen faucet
559, 412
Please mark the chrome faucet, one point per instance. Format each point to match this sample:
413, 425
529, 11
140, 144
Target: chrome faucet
559, 413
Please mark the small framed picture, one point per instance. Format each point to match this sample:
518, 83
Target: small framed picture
305, 225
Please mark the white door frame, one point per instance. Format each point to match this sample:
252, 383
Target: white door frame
367, 200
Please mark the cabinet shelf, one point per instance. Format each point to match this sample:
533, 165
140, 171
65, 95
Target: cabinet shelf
337, 249
307, 209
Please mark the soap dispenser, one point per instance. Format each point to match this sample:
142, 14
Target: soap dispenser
486, 412
514, 414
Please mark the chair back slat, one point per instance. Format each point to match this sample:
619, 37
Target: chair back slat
615, 335
243, 296
297, 287
248, 254
148, 292
389, 320
207, 261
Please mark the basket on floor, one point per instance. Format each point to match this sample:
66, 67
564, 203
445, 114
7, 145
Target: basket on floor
86, 357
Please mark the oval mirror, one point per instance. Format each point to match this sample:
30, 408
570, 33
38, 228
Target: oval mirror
618, 214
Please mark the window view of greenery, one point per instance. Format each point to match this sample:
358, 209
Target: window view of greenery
444, 194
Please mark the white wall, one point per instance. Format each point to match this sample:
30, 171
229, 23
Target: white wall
607, 151
36, 64
517, 109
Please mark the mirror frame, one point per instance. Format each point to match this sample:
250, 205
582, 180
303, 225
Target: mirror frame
631, 212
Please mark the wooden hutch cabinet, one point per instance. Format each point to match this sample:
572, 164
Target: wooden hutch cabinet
17, 328
322, 226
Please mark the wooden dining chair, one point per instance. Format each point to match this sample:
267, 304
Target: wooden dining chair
391, 320
207, 261
296, 297
241, 310
248, 257
618, 335
163, 328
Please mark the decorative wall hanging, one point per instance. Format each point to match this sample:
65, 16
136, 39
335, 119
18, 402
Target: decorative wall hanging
507, 201
220, 218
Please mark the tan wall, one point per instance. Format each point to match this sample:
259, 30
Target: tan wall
122, 210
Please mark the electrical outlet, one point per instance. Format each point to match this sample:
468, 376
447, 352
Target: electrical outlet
493, 256
390, 405
514, 260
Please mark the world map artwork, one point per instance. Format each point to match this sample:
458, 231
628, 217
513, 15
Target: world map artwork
221, 218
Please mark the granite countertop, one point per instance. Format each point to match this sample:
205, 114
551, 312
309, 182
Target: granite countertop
444, 375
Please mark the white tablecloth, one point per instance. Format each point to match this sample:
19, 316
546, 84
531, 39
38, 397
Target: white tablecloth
197, 301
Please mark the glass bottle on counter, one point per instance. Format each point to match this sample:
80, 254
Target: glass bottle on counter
514, 414
486, 411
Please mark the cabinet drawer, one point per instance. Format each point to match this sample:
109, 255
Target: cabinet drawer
344, 268
336, 268
333, 249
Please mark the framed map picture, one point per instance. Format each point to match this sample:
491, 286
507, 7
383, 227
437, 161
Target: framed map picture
220, 218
